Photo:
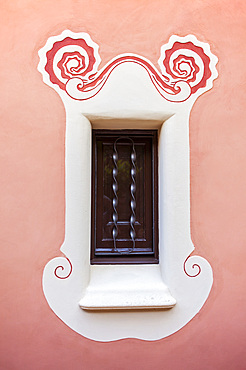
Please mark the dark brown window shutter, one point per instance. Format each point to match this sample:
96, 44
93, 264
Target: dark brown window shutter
124, 197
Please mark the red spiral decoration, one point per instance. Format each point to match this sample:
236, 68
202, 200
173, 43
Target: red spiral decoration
195, 265
62, 268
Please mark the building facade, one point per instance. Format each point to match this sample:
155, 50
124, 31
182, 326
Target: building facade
35, 204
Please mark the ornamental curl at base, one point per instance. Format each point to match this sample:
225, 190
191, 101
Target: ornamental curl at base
193, 268
68, 266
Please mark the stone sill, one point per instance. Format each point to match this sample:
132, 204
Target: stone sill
125, 287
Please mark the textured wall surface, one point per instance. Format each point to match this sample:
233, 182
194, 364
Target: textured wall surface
32, 133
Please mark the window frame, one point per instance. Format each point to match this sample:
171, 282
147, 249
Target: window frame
150, 200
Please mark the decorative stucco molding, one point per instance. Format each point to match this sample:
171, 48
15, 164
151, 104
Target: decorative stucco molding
71, 62
128, 92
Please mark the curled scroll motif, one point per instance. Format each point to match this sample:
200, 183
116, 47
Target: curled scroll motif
72, 64
64, 271
191, 267
71, 58
186, 62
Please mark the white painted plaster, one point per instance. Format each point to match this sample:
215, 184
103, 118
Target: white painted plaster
126, 287
128, 96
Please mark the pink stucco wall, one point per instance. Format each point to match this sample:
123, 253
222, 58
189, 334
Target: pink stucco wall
32, 181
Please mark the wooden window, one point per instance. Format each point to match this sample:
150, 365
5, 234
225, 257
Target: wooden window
124, 197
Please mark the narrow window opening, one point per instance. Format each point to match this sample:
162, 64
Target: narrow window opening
124, 197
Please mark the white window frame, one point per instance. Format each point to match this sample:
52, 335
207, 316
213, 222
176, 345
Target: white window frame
102, 302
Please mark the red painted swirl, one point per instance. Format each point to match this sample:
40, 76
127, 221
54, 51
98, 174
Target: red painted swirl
174, 66
68, 41
75, 71
194, 266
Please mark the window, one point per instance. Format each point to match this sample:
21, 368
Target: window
124, 197
128, 92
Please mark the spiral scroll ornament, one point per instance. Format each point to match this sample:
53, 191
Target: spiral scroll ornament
66, 268
191, 269
187, 61
72, 57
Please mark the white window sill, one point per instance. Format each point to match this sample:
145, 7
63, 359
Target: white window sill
126, 287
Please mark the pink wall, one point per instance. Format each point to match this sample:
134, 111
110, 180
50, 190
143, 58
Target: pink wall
32, 181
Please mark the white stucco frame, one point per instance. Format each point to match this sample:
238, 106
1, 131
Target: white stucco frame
74, 288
